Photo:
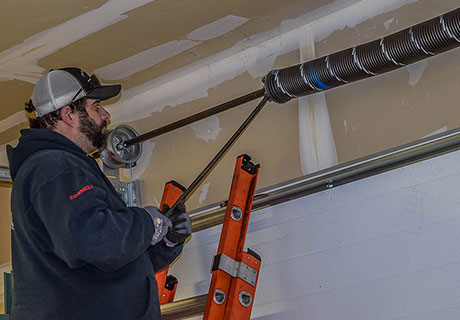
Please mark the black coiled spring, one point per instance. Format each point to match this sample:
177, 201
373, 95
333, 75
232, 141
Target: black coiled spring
386, 54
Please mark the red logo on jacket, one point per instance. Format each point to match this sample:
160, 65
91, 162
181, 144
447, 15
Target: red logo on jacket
84, 189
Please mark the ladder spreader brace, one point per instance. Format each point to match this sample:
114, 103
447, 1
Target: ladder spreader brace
234, 271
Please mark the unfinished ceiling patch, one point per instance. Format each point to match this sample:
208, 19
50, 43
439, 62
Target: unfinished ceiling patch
353, 15
21, 61
207, 129
316, 142
204, 192
416, 71
148, 58
144, 60
387, 23
217, 28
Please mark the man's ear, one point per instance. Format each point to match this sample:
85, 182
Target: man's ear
68, 116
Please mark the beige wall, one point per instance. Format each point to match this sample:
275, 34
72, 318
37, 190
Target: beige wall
392, 109
366, 117
5, 226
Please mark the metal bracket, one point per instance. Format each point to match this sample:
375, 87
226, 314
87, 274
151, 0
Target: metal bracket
234, 268
128, 191
5, 173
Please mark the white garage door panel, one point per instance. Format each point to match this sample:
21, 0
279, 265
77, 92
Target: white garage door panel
392, 298
385, 247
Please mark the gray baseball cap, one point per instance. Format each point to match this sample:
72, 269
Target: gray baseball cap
61, 87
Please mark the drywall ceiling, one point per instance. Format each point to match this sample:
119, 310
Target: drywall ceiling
128, 42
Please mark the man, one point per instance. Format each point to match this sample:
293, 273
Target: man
77, 251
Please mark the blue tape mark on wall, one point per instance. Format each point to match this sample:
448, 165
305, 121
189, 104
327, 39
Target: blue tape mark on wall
319, 83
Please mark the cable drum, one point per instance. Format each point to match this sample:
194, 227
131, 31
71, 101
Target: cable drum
116, 154
379, 56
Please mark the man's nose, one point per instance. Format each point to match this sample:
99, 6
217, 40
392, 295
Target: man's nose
105, 114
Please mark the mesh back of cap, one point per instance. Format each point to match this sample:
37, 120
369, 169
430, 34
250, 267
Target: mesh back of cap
53, 91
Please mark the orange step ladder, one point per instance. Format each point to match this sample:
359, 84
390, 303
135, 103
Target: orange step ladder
234, 271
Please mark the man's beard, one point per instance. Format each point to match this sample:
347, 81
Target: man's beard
93, 131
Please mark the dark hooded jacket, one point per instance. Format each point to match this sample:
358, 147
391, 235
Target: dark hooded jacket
78, 252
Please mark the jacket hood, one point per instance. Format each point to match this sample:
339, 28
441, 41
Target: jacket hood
34, 140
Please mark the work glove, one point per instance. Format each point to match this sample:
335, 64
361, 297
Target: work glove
181, 226
161, 224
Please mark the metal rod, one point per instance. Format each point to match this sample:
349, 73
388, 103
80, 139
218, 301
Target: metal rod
196, 117
185, 308
218, 156
213, 215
